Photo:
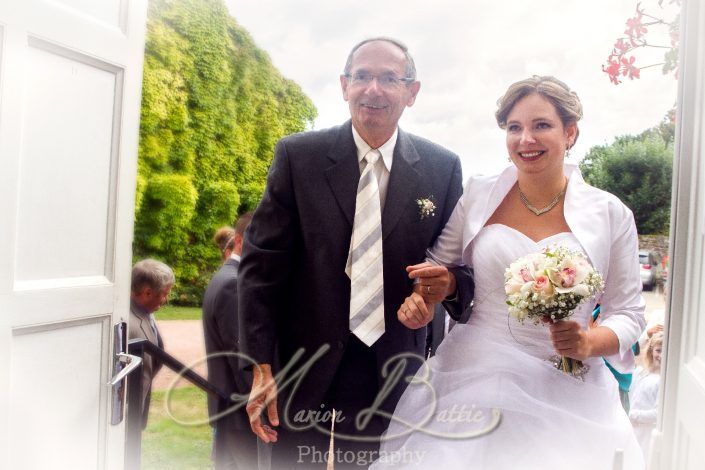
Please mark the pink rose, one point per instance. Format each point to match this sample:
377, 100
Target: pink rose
542, 285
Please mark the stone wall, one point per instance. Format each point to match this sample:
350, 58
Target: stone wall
657, 243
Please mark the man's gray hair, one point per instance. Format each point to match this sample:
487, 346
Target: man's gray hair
410, 65
153, 274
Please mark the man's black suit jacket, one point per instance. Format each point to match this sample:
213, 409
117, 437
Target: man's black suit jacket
220, 331
294, 292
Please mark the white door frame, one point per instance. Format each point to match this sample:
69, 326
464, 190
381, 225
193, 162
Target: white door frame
679, 441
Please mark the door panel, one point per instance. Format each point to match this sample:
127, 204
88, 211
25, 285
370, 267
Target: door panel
69, 359
70, 92
60, 83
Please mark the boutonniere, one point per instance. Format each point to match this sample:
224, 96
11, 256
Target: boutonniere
426, 207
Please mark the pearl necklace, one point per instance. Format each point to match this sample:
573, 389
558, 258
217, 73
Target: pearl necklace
543, 210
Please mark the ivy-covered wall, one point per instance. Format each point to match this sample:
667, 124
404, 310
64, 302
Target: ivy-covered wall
213, 107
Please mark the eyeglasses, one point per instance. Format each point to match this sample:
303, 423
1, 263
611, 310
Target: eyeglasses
386, 80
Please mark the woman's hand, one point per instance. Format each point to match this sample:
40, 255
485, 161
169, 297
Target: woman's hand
434, 284
414, 312
570, 340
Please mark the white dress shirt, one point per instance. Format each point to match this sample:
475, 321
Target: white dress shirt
383, 167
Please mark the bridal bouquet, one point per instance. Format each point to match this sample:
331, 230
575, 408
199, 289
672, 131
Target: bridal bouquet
548, 286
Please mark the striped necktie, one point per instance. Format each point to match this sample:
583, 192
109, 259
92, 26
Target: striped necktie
365, 258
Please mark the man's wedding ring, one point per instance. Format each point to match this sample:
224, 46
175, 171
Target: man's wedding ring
428, 289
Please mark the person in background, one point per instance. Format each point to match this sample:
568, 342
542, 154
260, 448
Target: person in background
653, 326
224, 238
664, 274
152, 281
644, 392
234, 445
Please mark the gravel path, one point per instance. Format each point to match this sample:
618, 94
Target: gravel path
183, 339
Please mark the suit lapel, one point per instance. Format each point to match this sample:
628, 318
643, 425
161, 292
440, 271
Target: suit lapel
403, 182
145, 325
344, 172
147, 329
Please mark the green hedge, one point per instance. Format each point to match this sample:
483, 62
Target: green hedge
213, 107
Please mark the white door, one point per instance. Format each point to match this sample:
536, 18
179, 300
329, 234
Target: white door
70, 85
681, 442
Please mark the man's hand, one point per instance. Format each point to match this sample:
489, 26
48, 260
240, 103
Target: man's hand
414, 313
434, 284
263, 394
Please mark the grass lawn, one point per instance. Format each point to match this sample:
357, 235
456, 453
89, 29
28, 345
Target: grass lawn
172, 312
168, 445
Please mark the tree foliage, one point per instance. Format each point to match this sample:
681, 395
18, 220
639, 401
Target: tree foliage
213, 107
638, 170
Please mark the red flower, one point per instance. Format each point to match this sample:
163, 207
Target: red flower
621, 46
628, 68
674, 38
612, 70
634, 27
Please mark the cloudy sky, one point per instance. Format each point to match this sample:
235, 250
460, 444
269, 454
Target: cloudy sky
467, 52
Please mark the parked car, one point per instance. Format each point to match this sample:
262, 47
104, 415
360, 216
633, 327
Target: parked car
650, 269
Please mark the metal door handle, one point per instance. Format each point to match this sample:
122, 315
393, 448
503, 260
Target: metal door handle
130, 363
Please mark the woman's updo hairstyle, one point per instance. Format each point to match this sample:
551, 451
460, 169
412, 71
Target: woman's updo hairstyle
566, 102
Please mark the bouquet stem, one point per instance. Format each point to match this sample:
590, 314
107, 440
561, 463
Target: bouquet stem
571, 366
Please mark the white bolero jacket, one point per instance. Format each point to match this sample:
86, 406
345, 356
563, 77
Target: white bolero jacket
603, 225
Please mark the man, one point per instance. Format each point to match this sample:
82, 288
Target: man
366, 185
152, 281
234, 445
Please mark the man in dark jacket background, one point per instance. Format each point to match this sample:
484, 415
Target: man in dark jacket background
234, 445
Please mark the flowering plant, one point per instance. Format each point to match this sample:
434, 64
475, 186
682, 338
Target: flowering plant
644, 31
426, 207
548, 286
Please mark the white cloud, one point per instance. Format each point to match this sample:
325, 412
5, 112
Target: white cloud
467, 53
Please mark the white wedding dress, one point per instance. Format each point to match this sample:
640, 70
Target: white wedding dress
547, 419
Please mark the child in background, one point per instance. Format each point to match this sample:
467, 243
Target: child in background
644, 392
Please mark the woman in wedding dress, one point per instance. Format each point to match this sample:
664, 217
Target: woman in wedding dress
491, 398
